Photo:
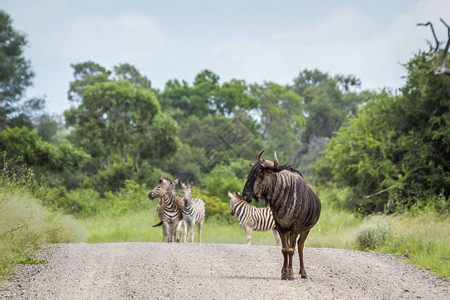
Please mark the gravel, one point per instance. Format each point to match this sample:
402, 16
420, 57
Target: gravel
215, 271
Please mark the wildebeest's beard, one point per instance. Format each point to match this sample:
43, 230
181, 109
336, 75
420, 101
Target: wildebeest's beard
248, 192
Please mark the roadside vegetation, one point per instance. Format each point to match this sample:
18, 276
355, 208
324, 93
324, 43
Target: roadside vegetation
380, 160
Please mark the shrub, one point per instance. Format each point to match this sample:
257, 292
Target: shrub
372, 234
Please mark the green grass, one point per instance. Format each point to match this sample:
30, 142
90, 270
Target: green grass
422, 237
138, 227
25, 225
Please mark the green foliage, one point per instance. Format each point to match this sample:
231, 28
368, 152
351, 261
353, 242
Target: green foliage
116, 118
25, 225
328, 101
396, 153
372, 234
113, 176
207, 96
25, 147
86, 74
282, 119
221, 180
15, 70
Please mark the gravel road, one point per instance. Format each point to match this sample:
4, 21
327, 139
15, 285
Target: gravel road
215, 271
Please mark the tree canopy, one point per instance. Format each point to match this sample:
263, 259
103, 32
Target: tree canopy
15, 71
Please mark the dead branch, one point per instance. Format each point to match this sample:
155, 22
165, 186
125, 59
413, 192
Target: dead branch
442, 68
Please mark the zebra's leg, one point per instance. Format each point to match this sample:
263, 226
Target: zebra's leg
200, 225
165, 232
301, 245
185, 230
276, 236
248, 234
177, 233
192, 229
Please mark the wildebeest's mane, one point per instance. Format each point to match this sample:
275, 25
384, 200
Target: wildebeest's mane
286, 167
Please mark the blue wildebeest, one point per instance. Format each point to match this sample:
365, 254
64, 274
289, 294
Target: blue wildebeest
294, 203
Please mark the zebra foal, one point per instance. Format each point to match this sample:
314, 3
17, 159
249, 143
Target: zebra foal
193, 213
252, 218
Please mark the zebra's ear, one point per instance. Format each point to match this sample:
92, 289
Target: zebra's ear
230, 194
175, 182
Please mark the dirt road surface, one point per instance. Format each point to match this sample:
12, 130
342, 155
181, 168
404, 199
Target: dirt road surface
215, 271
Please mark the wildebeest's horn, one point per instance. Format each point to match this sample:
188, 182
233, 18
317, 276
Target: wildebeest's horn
250, 164
275, 160
259, 156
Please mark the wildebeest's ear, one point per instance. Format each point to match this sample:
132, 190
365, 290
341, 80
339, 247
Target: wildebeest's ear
250, 164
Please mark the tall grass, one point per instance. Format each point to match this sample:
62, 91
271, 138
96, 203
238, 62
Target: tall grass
137, 226
25, 225
422, 238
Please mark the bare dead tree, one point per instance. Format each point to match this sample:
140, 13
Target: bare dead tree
442, 68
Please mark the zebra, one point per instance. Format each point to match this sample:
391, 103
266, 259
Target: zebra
170, 208
294, 203
252, 218
160, 211
193, 213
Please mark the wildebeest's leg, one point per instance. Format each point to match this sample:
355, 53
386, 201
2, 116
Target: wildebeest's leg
284, 247
291, 242
301, 245
248, 234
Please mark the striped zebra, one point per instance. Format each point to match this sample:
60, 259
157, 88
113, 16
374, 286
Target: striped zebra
193, 213
252, 218
294, 203
170, 208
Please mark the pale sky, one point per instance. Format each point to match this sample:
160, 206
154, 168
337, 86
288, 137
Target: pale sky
254, 40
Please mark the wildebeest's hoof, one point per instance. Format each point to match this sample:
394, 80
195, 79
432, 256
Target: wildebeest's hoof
304, 277
284, 277
291, 278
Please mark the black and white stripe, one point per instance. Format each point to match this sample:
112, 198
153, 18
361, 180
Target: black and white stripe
252, 218
172, 208
193, 213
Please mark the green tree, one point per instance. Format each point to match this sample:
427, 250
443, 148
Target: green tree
86, 74
282, 119
328, 101
118, 118
396, 153
25, 147
15, 70
127, 72
207, 96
